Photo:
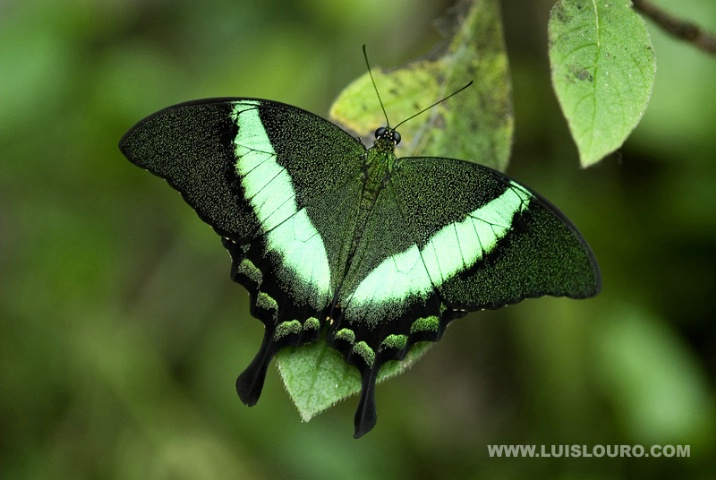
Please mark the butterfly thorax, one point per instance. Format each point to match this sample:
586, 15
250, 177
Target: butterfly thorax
379, 162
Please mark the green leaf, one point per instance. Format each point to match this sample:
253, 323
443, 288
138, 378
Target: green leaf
476, 124
603, 71
316, 377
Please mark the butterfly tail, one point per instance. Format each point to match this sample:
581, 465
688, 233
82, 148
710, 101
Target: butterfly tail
366, 415
251, 381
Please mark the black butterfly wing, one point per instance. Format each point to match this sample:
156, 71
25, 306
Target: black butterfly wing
449, 237
281, 186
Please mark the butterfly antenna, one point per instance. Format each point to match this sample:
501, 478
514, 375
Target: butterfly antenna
375, 87
436, 103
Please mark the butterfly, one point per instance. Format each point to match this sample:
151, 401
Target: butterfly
352, 244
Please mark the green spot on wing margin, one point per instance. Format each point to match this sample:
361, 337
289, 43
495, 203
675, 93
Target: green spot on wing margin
425, 324
247, 268
365, 352
287, 328
266, 302
394, 341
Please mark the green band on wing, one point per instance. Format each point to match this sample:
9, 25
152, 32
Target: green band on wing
452, 249
270, 191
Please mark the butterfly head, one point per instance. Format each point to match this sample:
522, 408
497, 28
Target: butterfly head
383, 134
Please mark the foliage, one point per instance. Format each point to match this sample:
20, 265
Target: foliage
121, 334
603, 70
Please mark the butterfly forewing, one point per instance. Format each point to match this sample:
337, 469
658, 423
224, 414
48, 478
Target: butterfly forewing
494, 242
190, 145
281, 185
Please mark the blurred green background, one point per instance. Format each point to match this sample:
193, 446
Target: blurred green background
120, 331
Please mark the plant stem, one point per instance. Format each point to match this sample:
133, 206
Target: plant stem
681, 29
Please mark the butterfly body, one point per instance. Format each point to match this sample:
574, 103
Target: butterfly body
332, 238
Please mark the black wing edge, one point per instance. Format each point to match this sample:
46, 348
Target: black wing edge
210, 101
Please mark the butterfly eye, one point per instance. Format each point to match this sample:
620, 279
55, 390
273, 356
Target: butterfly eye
396, 137
380, 132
